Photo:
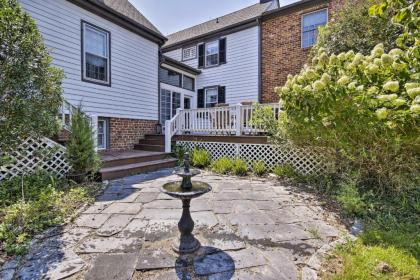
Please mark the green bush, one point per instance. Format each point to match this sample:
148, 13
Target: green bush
22, 220
350, 199
285, 170
27, 188
223, 165
259, 168
240, 167
30, 88
379, 93
200, 158
81, 148
344, 33
179, 152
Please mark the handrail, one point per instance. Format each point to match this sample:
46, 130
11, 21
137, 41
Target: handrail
227, 120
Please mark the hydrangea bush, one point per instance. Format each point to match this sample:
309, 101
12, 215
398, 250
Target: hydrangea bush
365, 107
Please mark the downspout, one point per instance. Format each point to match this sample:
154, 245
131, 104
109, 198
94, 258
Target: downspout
259, 20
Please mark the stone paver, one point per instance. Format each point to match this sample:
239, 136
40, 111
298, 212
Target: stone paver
92, 220
114, 225
123, 208
249, 229
113, 266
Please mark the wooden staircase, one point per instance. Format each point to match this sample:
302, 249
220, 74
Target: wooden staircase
147, 156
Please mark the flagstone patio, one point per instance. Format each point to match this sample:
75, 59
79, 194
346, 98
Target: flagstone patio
249, 229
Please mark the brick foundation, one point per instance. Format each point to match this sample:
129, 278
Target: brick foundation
124, 133
281, 45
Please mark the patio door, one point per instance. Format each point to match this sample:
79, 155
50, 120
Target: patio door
169, 102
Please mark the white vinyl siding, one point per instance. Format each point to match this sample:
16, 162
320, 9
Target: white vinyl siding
240, 73
134, 62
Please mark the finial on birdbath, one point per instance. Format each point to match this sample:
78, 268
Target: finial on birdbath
187, 163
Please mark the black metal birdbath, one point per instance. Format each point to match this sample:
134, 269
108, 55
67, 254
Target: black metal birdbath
186, 190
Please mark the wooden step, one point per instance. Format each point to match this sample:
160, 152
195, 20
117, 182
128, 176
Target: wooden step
129, 157
110, 173
148, 147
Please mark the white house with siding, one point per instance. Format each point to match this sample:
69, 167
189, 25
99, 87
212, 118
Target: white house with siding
110, 56
227, 51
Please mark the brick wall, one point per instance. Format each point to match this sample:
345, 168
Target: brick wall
124, 133
281, 45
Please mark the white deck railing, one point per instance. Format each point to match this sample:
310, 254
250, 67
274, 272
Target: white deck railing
229, 120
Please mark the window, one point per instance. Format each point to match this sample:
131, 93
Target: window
310, 24
212, 53
188, 83
102, 134
189, 53
170, 77
211, 97
96, 54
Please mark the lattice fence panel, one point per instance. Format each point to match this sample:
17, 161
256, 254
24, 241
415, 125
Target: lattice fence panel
35, 154
308, 162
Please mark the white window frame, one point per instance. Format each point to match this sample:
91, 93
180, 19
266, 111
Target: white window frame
301, 26
190, 50
105, 134
205, 53
86, 25
205, 96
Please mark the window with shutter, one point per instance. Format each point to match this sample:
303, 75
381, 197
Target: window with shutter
200, 98
222, 95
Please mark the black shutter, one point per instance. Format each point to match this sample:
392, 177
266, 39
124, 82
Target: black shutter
222, 51
200, 98
221, 99
201, 56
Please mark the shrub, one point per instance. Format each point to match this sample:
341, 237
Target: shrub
223, 165
344, 33
22, 220
81, 148
27, 188
258, 167
200, 158
30, 89
379, 93
350, 199
285, 170
240, 167
179, 152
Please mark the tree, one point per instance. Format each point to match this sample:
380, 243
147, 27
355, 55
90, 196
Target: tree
352, 28
30, 88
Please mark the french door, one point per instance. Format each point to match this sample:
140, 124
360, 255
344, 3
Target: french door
169, 102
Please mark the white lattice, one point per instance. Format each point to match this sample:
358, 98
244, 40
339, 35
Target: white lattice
36, 154
305, 161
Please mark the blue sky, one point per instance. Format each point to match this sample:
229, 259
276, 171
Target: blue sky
174, 15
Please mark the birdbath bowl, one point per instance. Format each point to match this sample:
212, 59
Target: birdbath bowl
186, 190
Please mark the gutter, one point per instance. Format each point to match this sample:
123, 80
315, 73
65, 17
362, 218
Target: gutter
291, 6
228, 29
180, 65
120, 19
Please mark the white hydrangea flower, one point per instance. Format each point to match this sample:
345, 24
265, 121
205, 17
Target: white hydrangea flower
358, 58
352, 86
387, 60
411, 85
333, 59
395, 53
373, 90
326, 78
342, 56
344, 80
382, 113
373, 69
415, 108
319, 85
387, 97
413, 92
392, 86
399, 102
323, 58
378, 50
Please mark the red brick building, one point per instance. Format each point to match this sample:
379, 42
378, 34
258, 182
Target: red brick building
287, 35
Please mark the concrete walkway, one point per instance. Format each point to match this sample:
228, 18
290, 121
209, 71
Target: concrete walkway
249, 229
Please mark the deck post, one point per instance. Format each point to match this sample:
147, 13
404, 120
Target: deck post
168, 136
238, 122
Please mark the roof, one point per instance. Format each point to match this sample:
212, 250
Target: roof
125, 8
223, 22
178, 64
